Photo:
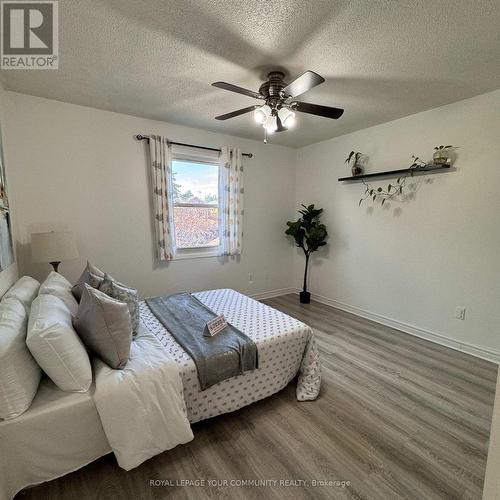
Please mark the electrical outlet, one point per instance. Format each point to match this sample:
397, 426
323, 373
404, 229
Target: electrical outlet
250, 277
460, 312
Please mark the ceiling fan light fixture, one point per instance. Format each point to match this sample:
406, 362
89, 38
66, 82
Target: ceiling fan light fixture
261, 114
276, 112
287, 117
271, 124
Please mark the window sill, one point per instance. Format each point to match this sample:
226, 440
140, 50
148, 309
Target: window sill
196, 253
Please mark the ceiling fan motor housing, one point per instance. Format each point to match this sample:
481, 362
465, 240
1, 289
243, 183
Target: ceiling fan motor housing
272, 88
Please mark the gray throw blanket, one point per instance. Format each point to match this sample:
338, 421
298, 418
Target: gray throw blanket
225, 355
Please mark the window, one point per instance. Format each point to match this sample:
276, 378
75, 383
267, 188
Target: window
196, 209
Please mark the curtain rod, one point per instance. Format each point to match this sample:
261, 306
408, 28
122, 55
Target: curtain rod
141, 137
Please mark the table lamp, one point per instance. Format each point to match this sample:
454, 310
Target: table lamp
53, 247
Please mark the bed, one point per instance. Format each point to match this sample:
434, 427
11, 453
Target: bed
284, 345
62, 432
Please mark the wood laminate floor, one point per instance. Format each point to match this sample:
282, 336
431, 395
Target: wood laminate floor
398, 417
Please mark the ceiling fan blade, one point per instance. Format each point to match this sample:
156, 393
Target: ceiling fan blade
303, 83
316, 109
236, 113
238, 90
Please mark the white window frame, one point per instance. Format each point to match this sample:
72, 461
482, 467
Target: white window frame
192, 155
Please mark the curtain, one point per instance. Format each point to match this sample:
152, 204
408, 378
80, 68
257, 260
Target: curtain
162, 185
231, 194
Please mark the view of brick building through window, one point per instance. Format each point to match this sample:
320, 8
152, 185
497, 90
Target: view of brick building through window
196, 207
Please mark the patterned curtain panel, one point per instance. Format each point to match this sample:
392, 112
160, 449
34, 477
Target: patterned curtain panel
161, 175
230, 201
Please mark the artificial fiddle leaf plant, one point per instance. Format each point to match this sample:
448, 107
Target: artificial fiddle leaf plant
309, 235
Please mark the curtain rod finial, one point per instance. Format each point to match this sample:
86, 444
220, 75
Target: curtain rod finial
141, 137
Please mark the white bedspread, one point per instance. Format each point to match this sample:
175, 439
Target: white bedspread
142, 407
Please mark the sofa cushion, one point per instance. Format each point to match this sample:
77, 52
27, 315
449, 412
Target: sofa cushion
56, 284
91, 275
25, 290
103, 323
55, 345
19, 372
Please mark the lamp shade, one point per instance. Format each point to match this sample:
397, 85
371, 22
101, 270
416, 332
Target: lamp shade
261, 114
287, 117
271, 124
53, 246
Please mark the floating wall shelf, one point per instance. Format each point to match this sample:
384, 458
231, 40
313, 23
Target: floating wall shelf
396, 173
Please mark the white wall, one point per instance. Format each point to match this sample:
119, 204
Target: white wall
413, 262
409, 264
7, 278
80, 169
9, 275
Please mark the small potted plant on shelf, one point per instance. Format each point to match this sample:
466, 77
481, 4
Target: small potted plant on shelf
354, 160
441, 155
309, 234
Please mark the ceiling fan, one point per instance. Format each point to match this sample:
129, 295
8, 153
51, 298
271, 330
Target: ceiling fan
278, 111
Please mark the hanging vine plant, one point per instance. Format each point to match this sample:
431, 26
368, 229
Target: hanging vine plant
385, 193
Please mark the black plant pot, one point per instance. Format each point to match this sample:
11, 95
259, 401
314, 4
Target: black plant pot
305, 297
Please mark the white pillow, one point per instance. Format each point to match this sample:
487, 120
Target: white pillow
56, 284
56, 346
25, 290
19, 372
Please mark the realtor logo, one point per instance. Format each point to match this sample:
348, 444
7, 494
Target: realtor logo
30, 35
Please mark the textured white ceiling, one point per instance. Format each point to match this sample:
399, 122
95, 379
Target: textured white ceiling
382, 59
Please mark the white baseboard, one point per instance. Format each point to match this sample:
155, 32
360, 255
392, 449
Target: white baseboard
479, 351
475, 350
273, 293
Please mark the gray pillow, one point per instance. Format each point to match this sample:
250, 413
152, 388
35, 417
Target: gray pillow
122, 292
103, 324
91, 275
